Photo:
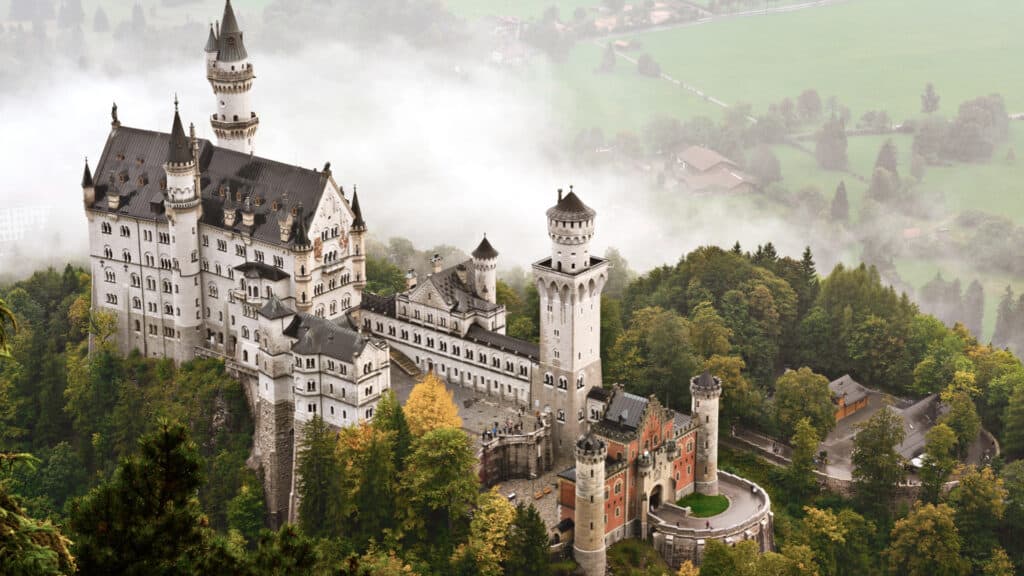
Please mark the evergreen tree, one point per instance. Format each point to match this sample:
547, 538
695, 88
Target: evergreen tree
737, 249
319, 483
146, 518
888, 158
877, 467
809, 287
100, 23
391, 418
1005, 320
527, 544
7, 318
29, 547
800, 474
247, 511
840, 210
973, 308
375, 492
929, 99
830, 145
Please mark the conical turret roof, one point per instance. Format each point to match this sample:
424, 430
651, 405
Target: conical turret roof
357, 213
706, 381
179, 151
485, 251
570, 209
230, 44
87, 176
211, 41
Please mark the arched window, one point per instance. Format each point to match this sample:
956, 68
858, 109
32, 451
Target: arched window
110, 275
126, 255
136, 281
334, 307
563, 382
245, 332
213, 290
136, 303
167, 286
168, 309
579, 381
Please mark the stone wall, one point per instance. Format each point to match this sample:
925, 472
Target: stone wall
273, 449
511, 456
678, 544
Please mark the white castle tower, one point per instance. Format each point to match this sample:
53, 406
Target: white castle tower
569, 284
184, 210
588, 545
705, 391
485, 268
231, 74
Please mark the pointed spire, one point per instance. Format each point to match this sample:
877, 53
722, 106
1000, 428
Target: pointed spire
485, 251
211, 41
229, 43
179, 151
87, 175
357, 213
301, 234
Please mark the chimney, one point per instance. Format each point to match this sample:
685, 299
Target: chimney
285, 224
559, 194
436, 261
113, 200
229, 217
460, 271
410, 279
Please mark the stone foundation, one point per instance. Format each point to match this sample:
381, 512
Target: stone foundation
510, 456
273, 450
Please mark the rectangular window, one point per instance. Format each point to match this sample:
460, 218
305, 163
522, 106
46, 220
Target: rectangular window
239, 250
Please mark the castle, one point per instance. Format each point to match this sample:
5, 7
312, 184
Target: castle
203, 249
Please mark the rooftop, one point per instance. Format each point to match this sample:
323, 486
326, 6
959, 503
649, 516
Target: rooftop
570, 209
848, 387
703, 159
319, 336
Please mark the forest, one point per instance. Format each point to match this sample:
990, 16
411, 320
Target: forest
84, 432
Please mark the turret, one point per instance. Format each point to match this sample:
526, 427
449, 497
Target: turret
231, 75
485, 268
184, 211
570, 227
88, 188
589, 545
303, 249
357, 235
705, 391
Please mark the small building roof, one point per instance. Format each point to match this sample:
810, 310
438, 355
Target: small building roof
703, 159
626, 410
503, 342
848, 387
315, 335
275, 309
211, 41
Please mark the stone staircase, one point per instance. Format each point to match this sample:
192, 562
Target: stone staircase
405, 364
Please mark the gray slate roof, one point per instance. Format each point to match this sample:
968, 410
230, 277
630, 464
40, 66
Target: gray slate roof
626, 410
571, 209
315, 335
275, 309
706, 382
230, 46
262, 270
845, 385
460, 297
179, 151
211, 41
485, 251
86, 176
502, 342
131, 154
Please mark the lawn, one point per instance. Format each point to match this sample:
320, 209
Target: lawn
703, 506
518, 8
871, 54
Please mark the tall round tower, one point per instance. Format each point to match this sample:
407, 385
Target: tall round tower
705, 390
184, 210
303, 250
588, 546
231, 74
485, 269
570, 227
358, 238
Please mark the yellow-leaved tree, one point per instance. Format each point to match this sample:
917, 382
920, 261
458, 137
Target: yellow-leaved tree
688, 569
488, 535
430, 406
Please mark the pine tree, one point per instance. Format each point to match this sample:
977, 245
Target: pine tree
929, 100
147, 516
29, 546
737, 249
888, 158
100, 23
319, 482
1005, 319
375, 494
811, 285
974, 308
527, 544
840, 209
391, 418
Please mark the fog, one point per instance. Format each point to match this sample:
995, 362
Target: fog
443, 146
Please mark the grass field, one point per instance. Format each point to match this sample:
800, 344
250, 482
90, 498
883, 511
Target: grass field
703, 506
518, 8
871, 54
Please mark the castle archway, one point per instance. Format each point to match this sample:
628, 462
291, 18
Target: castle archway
655, 499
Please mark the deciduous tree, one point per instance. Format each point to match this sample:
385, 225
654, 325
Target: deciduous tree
877, 467
430, 407
926, 543
800, 474
979, 501
939, 462
804, 394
